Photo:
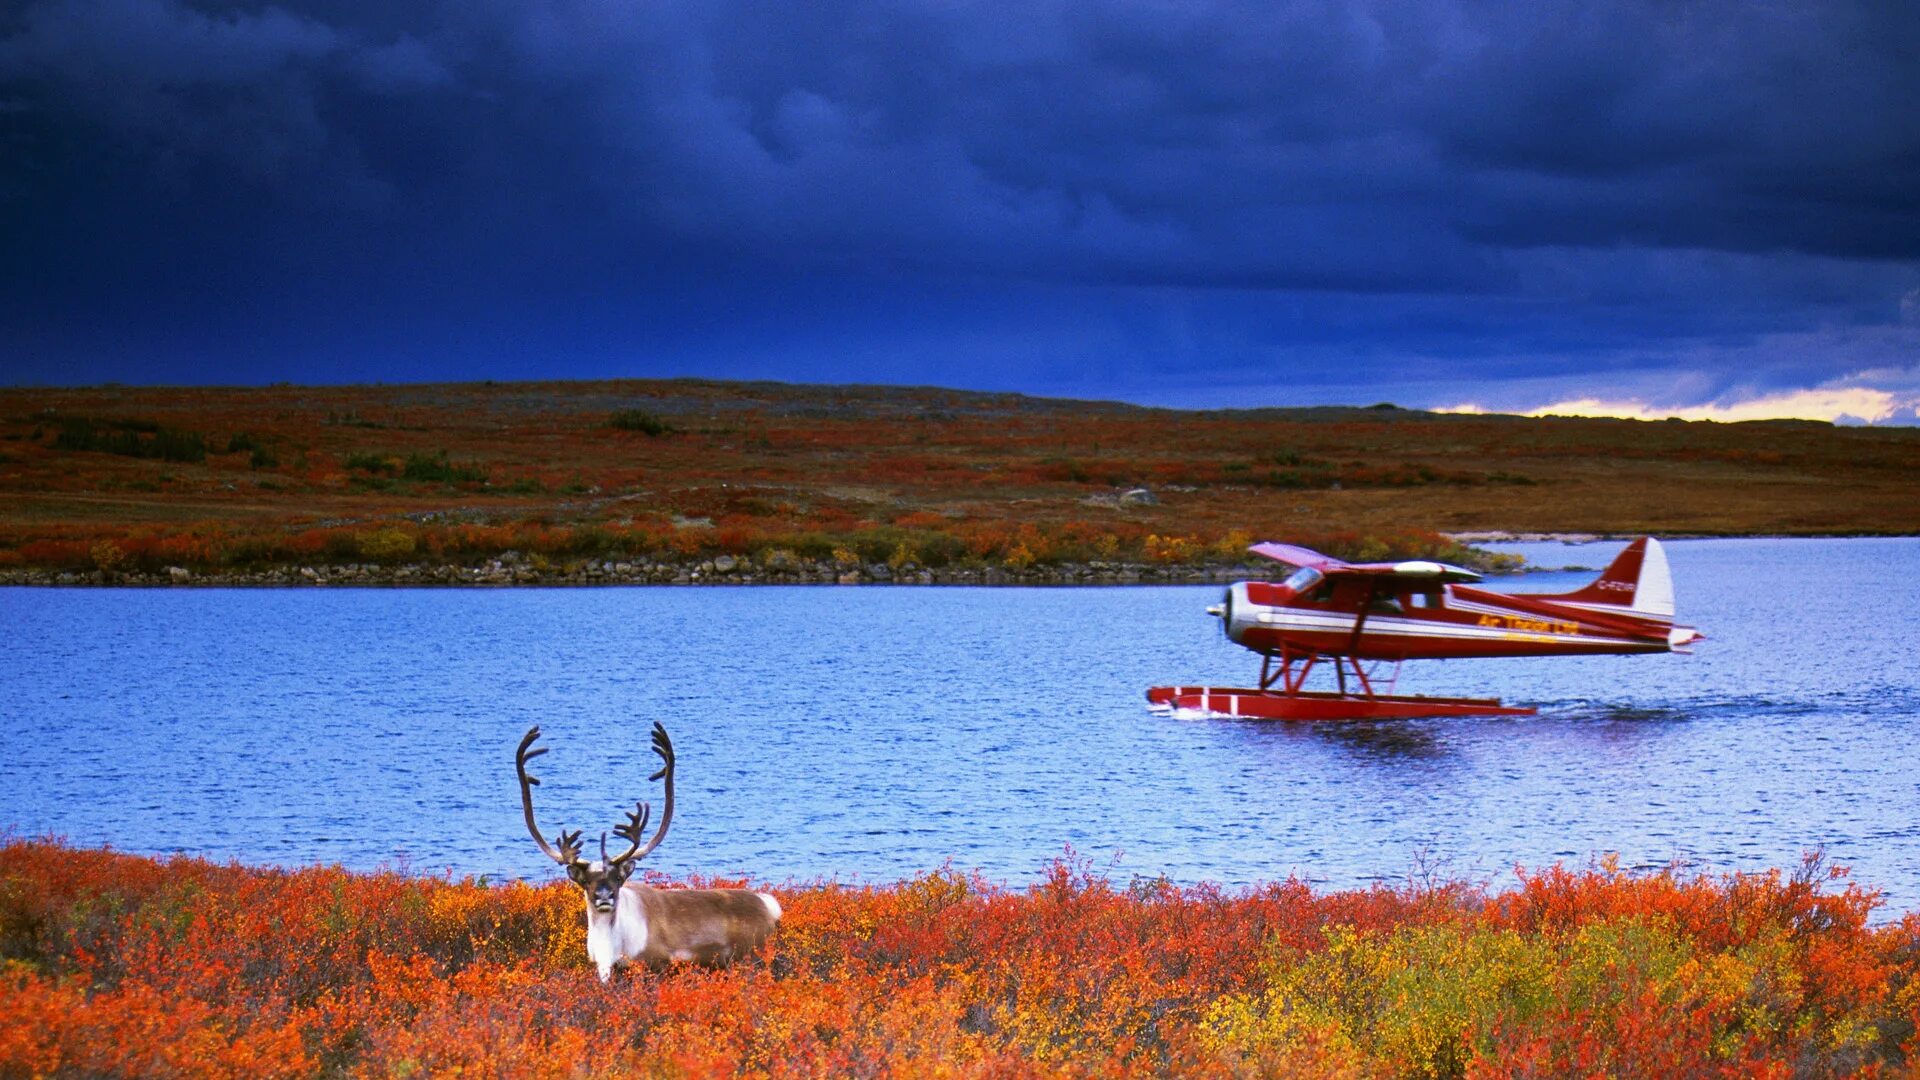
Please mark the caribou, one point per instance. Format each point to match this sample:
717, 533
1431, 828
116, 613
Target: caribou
629, 921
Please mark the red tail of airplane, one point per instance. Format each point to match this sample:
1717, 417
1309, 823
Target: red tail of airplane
1636, 585
1637, 582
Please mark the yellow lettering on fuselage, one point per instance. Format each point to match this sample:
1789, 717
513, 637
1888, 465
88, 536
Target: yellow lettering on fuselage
1537, 626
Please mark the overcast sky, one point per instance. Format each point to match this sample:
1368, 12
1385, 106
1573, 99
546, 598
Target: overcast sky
1664, 206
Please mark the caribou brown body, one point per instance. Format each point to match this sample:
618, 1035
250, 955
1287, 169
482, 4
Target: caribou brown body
628, 921
658, 927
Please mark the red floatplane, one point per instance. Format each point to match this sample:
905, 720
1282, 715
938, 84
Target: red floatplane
1357, 617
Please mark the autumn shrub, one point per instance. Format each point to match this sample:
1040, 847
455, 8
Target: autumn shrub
437, 469
810, 544
131, 438
58, 554
592, 541
639, 420
387, 545
939, 550
876, 545
108, 556
116, 965
1622, 996
933, 541
1171, 549
737, 534
1070, 470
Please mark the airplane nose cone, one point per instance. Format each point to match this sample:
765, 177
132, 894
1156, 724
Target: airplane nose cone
1224, 611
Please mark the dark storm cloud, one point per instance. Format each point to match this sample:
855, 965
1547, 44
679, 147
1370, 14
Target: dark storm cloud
1661, 174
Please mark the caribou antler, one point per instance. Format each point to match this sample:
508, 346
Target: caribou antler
637, 820
630, 832
569, 841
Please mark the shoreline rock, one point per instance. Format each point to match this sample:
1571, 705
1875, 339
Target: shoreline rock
723, 570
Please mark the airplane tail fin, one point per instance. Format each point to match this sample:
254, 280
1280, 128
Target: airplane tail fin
1637, 580
1636, 584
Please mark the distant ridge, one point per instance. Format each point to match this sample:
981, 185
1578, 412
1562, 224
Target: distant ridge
860, 481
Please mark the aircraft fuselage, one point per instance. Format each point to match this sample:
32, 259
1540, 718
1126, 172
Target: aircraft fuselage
1373, 620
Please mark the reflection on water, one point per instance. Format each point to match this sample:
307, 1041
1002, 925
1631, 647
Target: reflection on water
1382, 740
1618, 714
876, 733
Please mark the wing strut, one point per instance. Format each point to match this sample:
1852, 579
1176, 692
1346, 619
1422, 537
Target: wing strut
1360, 621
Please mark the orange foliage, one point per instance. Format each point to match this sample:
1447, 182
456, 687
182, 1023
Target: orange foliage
120, 966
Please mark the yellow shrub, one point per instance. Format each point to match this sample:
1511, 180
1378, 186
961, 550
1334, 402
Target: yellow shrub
1233, 545
108, 556
1428, 999
386, 545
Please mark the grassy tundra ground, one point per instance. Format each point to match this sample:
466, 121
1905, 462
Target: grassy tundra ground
111, 482
120, 966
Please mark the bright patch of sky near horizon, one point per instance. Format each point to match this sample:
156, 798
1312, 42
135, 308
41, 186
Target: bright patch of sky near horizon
1634, 209
1854, 405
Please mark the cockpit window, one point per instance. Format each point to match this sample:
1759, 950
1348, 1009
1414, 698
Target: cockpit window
1303, 579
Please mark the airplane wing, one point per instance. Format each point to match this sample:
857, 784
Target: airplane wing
1298, 556
1419, 571
1415, 570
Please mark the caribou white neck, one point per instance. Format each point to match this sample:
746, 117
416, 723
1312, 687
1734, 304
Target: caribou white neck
613, 936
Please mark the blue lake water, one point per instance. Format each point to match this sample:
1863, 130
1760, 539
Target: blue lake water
873, 733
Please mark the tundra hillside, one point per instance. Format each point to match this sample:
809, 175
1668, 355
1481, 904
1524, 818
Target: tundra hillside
120, 966
686, 480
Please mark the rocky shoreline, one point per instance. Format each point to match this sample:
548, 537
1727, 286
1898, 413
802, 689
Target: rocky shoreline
724, 570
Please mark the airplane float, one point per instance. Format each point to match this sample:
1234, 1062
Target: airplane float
1350, 615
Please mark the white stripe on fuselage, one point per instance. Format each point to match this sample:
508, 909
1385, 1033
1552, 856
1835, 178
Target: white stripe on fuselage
1619, 612
1459, 602
1636, 622
1624, 614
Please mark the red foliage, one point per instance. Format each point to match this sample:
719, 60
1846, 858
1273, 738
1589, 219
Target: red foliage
120, 966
